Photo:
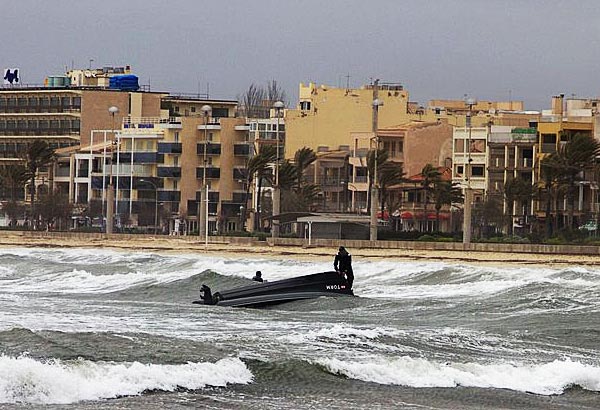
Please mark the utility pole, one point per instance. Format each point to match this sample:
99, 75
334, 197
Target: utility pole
470, 102
374, 189
276, 189
110, 206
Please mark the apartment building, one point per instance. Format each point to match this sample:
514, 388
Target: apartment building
63, 116
326, 116
411, 146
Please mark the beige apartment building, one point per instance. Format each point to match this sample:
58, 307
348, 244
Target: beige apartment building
326, 116
158, 168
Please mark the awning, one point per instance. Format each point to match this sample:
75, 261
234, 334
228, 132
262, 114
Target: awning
430, 215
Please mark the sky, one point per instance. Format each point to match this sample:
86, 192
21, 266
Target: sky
525, 50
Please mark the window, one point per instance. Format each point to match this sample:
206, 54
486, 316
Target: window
176, 108
193, 109
305, 105
460, 170
220, 112
459, 145
477, 171
548, 138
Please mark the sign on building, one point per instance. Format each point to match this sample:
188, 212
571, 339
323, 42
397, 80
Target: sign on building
11, 76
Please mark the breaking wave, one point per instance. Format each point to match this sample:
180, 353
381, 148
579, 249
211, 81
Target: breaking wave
26, 380
544, 379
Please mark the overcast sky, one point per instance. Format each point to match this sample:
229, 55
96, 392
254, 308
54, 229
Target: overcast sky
525, 49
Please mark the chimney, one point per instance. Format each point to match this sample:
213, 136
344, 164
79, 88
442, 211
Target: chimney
557, 104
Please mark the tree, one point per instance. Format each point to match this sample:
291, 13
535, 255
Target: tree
298, 194
38, 155
569, 162
382, 157
13, 179
54, 208
445, 193
257, 101
258, 167
517, 191
390, 174
431, 175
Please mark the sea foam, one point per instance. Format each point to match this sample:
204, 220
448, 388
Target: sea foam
25, 380
544, 379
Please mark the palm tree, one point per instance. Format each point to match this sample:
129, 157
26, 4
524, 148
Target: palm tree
445, 193
38, 155
576, 156
299, 194
13, 178
390, 174
517, 191
431, 175
382, 157
258, 167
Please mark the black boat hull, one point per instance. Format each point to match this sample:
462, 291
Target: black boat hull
270, 293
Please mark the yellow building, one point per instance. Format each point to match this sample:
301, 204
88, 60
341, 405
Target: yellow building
326, 116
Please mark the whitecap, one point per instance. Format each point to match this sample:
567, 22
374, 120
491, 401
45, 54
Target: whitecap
540, 378
25, 380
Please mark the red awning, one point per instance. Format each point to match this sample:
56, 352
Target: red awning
406, 215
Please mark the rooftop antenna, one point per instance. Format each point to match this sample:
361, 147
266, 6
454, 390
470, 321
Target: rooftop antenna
207, 90
348, 81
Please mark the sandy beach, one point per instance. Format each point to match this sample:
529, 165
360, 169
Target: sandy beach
170, 244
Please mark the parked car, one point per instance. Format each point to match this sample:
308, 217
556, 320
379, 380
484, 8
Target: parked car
590, 225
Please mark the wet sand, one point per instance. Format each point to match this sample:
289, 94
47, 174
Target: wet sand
169, 244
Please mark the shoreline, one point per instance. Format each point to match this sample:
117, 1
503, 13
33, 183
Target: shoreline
169, 244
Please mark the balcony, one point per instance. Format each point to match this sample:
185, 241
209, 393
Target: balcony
140, 157
239, 174
212, 196
211, 173
214, 124
169, 148
169, 172
241, 150
211, 148
169, 196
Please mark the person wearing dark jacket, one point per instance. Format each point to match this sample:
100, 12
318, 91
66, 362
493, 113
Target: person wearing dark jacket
258, 276
343, 264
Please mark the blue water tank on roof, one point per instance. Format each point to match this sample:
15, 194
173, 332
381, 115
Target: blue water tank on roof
127, 82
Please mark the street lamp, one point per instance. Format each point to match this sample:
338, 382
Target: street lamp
278, 106
111, 193
374, 189
203, 225
470, 102
155, 202
242, 218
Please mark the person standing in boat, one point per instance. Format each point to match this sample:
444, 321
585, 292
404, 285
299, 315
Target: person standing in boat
343, 264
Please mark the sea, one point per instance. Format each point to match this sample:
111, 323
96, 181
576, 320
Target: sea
104, 329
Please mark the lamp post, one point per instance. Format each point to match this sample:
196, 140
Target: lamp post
470, 102
203, 220
111, 193
374, 189
155, 203
278, 106
242, 218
